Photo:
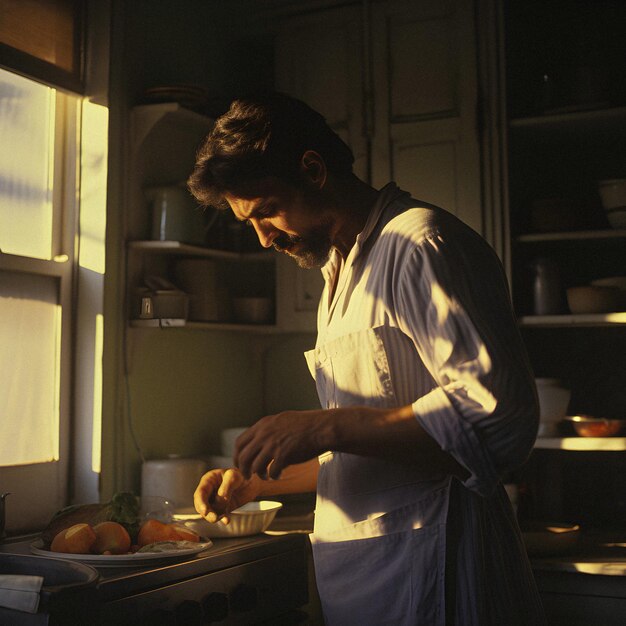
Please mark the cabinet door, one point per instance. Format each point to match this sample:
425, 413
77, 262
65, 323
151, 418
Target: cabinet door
318, 59
426, 137
398, 83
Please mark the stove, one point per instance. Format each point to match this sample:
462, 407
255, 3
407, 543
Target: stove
261, 579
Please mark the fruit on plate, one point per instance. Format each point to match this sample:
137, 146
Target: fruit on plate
153, 530
111, 538
77, 539
123, 508
185, 534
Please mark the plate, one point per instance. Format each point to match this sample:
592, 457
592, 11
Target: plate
121, 560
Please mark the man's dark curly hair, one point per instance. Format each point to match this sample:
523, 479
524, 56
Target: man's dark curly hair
260, 136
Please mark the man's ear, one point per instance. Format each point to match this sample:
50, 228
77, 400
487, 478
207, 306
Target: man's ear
313, 168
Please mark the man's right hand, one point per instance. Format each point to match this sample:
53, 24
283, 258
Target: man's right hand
220, 491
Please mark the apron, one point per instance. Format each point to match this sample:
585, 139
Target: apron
380, 527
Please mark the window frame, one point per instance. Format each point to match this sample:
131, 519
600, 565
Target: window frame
50, 481
29, 66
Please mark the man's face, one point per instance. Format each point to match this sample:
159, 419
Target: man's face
288, 219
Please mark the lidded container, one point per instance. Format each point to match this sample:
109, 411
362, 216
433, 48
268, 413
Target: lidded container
547, 291
177, 217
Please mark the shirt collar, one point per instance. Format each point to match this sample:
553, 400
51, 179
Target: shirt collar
388, 194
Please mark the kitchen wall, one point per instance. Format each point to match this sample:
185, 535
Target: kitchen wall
179, 388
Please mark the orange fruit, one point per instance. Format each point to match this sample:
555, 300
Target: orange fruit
111, 537
77, 539
152, 530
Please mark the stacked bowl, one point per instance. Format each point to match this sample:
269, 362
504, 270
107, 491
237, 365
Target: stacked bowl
613, 196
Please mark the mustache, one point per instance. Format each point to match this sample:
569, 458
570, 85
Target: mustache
285, 242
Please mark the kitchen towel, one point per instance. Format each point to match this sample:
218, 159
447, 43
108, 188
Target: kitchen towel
20, 592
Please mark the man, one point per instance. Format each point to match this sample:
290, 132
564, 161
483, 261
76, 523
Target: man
428, 398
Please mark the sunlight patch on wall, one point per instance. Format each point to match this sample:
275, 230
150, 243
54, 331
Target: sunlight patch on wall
96, 437
93, 189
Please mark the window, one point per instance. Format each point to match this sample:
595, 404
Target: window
52, 141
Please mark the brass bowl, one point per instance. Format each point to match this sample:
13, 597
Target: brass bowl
588, 426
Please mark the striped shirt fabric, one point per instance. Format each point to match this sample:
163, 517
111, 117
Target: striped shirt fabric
421, 315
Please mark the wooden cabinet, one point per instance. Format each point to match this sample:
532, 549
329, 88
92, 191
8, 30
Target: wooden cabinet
397, 81
566, 131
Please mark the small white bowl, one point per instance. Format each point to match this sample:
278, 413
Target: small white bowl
593, 299
228, 437
617, 218
250, 519
613, 193
610, 281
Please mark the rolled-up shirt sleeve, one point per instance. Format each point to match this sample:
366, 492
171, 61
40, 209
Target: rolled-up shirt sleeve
453, 302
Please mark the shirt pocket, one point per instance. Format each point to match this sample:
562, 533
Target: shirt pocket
354, 369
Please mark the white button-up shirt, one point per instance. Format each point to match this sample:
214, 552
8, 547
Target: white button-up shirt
421, 315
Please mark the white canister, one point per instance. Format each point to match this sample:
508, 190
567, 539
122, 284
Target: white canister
174, 478
553, 402
228, 438
177, 217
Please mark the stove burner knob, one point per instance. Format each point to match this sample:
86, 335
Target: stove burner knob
189, 613
243, 598
215, 606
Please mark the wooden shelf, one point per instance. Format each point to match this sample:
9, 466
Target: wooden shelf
178, 248
218, 326
582, 235
582, 444
158, 323
597, 120
598, 319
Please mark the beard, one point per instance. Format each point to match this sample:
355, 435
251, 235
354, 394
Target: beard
308, 251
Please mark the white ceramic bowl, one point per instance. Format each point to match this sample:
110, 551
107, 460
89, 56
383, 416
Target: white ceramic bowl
553, 402
228, 437
250, 519
617, 218
593, 299
613, 193
610, 281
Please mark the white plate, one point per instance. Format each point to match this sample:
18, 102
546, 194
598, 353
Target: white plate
121, 560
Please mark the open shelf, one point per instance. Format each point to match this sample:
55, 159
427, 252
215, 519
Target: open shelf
589, 120
596, 319
218, 326
582, 444
178, 248
581, 235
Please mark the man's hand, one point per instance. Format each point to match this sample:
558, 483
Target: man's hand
221, 491
278, 441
